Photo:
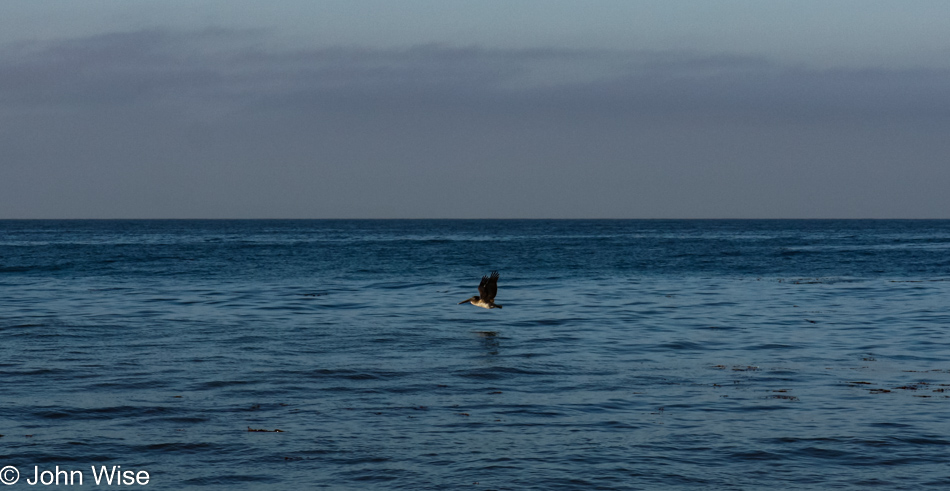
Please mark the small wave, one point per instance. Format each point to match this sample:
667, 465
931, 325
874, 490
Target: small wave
112, 412
533, 411
679, 346
793, 252
495, 373
757, 455
41, 268
229, 479
349, 374
180, 447
543, 322
37, 371
217, 384
932, 440
178, 419
772, 346
823, 453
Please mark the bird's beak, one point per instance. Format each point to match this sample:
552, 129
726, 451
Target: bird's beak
466, 301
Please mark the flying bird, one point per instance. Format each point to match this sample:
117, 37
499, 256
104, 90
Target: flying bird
487, 289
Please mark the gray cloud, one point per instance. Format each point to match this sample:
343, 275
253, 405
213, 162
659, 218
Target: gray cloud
215, 123
230, 67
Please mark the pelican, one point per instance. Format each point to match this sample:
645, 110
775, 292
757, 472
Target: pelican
487, 289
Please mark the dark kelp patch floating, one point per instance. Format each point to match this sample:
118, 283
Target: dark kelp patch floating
782, 396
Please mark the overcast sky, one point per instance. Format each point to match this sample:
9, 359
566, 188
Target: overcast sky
475, 109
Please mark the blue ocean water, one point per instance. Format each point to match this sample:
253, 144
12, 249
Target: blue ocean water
630, 354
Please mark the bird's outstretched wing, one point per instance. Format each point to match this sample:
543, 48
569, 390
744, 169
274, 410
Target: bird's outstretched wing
491, 286
482, 285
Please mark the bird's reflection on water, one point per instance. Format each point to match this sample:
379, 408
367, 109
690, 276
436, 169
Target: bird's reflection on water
489, 341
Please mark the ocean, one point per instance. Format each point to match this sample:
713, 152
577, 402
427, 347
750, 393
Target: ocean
630, 354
